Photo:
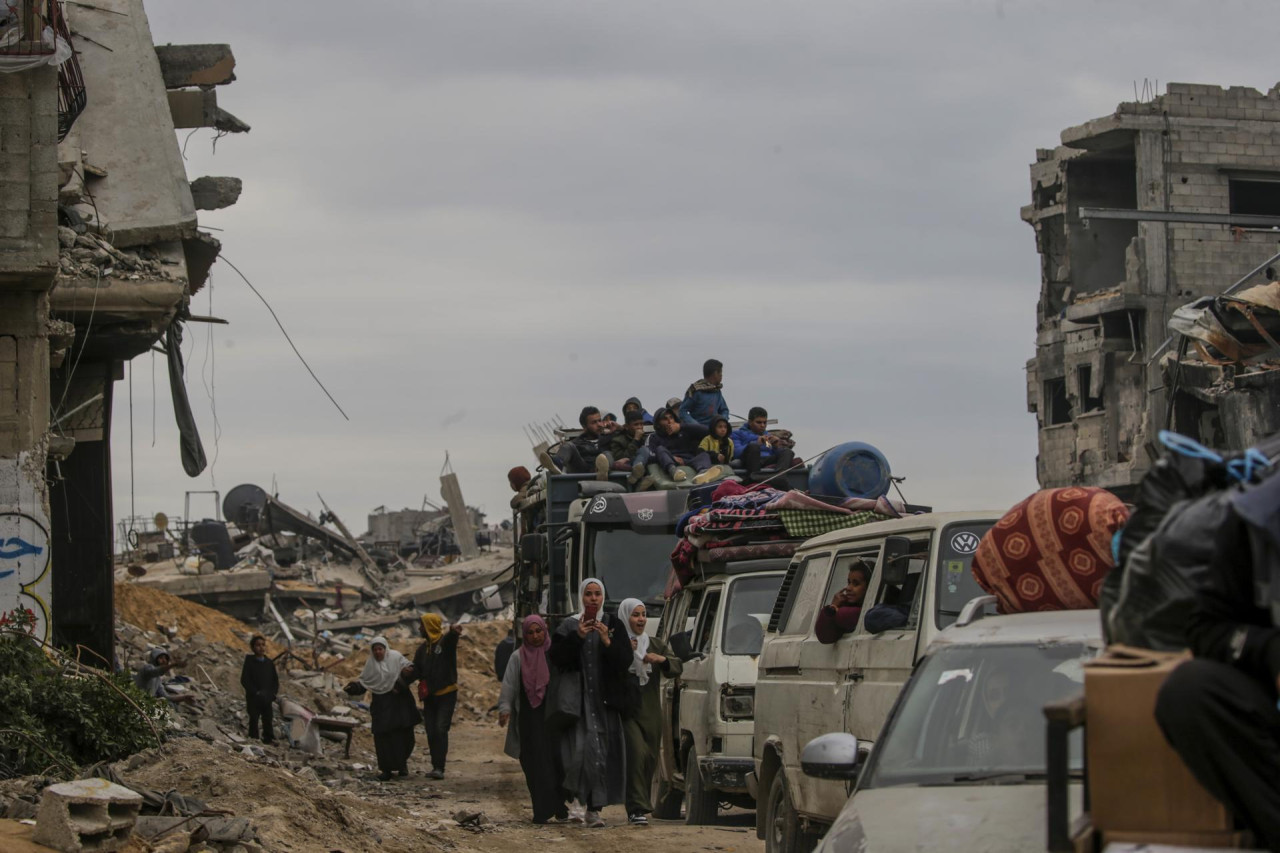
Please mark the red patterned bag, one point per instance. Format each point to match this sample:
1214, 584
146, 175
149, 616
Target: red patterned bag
1051, 551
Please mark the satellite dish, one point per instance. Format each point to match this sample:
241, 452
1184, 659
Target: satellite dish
161, 521
243, 505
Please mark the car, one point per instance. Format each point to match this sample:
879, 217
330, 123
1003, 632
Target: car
960, 763
716, 625
920, 566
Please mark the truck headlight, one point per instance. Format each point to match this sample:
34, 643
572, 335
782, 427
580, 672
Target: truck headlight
738, 703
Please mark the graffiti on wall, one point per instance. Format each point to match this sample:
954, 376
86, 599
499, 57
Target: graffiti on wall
25, 575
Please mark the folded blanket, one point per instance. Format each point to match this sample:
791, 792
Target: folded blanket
807, 523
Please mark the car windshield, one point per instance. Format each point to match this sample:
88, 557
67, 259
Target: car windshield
956, 586
975, 713
751, 601
631, 564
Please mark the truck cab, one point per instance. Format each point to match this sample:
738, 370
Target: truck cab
716, 625
806, 688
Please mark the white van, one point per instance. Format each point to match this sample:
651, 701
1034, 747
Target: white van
805, 688
961, 763
716, 625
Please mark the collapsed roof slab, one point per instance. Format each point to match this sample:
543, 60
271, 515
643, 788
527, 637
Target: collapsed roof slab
127, 129
196, 64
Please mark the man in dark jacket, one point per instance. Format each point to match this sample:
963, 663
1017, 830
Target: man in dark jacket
579, 454
675, 444
261, 683
758, 448
1219, 710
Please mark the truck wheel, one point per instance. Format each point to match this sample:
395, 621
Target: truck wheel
782, 826
699, 804
666, 799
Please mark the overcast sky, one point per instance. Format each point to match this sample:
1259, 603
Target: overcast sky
472, 215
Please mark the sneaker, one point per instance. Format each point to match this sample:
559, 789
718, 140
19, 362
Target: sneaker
593, 819
679, 474
715, 472
645, 484
637, 474
576, 812
638, 819
544, 458
602, 467
435, 774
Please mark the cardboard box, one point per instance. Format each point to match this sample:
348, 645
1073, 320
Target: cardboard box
1137, 783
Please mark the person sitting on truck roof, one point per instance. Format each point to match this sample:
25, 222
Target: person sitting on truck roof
609, 424
674, 445
840, 617
703, 400
718, 443
633, 404
1218, 711
578, 454
759, 448
629, 449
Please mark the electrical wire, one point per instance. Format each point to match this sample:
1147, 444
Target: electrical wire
223, 258
208, 378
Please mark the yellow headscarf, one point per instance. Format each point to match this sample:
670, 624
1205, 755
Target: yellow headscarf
433, 627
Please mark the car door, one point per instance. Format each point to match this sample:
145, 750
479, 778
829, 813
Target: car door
696, 689
673, 623
884, 661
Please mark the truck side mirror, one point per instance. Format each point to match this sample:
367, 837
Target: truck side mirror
893, 568
533, 548
832, 756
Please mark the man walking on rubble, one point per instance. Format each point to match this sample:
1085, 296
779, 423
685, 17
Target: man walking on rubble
261, 683
703, 401
578, 454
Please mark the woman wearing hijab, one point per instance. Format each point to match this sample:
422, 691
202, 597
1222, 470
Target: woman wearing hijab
642, 727
436, 664
592, 646
521, 710
388, 675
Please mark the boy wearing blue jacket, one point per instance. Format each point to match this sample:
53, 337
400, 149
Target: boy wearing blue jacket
703, 401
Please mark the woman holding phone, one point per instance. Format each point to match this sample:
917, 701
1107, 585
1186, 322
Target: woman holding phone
595, 647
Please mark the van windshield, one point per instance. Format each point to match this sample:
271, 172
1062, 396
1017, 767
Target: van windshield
956, 586
973, 714
751, 601
631, 564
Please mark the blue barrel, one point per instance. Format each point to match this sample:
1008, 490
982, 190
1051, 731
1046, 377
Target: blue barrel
854, 469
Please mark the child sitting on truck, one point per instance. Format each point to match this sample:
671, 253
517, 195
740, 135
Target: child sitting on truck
840, 617
718, 443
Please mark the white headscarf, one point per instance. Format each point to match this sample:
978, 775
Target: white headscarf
582, 587
380, 677
638, 666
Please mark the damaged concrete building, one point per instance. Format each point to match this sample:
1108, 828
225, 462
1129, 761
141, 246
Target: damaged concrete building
100, 254
1137, 214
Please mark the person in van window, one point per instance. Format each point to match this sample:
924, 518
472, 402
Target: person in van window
642, 726
703, 399
840, 617
759, 448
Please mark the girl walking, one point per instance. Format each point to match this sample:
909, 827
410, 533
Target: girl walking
436, 665
522, 710
642, 727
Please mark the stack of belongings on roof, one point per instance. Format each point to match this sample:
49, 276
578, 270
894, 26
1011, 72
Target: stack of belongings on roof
729, 521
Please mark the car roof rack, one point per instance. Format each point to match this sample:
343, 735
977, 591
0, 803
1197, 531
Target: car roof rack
974, 610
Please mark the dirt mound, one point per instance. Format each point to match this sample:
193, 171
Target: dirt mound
288, 811
151, 609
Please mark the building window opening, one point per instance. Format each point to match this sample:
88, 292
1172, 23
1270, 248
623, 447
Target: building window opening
1084, 378
1254, 197
1125, 328
1057, 408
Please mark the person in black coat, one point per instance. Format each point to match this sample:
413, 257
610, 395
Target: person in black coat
261, 683
436, 665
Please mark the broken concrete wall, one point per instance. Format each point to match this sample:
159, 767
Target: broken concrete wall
1108, 286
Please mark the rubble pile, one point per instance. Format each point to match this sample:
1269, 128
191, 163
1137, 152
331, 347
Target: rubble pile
90, 256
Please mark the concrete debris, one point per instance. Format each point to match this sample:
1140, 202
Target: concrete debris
211, 193
86, 815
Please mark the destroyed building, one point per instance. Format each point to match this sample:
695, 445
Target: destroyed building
1137, 214
100, 254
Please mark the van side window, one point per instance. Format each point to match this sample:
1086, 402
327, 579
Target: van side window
673, 617
798, 617
691, 615
911, 593
840, 573
707, 622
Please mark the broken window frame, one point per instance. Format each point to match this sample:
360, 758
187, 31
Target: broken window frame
1056, 406
1247, 184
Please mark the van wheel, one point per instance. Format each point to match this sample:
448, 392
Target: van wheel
782, 825
666, 799
699, 804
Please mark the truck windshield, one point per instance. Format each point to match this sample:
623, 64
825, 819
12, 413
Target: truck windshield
956, 586
751, 601
631, 564
973, 714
